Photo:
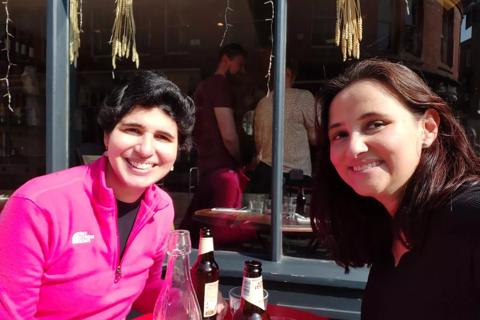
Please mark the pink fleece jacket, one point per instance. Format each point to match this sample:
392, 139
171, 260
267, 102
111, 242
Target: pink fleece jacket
59, 249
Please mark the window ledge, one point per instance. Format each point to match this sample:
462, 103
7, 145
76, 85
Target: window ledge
293, 270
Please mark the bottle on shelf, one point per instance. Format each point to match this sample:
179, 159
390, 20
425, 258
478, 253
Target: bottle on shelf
31, 49
18, 41
23, 46
177, 300
301, 201
252, 305
206, 275
18, 109
3, 113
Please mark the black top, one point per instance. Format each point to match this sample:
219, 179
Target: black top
442, 281
127, 212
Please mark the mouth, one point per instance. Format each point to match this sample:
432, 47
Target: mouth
139, 165
366, 166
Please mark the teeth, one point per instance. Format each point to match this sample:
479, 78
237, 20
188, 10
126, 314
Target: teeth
141, 165
366, 166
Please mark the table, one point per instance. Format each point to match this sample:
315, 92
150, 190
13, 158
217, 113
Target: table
259, 225
209, 216
275, 312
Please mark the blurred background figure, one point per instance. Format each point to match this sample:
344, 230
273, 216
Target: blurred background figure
216, 139
299, 115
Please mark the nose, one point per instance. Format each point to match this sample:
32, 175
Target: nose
144, 147
358, 145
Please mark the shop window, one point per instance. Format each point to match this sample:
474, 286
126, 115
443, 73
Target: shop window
385, 23
446, 40
178, 26
22, 121
323, 24
413, 27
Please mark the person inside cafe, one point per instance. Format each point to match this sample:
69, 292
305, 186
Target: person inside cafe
217, 143
299, 135
399, 192
89, 242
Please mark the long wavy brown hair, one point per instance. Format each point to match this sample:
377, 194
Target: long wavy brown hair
358, 230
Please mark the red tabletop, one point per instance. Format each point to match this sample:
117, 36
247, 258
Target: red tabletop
275, 311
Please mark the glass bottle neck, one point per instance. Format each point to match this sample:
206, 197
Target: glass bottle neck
178, 270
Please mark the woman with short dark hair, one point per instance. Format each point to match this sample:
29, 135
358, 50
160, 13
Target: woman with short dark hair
398, 189
89, 242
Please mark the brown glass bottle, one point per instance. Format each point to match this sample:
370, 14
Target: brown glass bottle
205, 275
252, 306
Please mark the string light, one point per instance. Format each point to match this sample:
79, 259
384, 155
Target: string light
227, 25
7, 95
268, 76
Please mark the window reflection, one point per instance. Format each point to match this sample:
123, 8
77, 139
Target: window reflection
22, 129
174, 38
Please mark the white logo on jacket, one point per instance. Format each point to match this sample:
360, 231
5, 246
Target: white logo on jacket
82, 237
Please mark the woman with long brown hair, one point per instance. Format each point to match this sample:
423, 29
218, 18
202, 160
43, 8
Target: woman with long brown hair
398, 190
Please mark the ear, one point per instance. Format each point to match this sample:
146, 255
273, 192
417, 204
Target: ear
431, 122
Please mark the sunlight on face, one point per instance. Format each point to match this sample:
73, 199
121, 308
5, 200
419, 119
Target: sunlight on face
141, 150
375, 141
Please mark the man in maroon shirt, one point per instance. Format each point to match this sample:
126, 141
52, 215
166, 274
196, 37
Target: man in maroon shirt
216, 137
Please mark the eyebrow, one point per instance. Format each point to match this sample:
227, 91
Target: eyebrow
362, 117
137, 125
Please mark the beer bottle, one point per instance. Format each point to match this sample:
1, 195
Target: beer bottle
252, 306
205, 275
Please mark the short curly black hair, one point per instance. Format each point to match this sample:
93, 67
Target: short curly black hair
150, 89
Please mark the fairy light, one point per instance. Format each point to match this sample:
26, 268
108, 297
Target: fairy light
7, 95
408, 7
268, 76
227, 25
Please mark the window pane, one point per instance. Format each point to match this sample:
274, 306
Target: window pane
22, 131
173, 38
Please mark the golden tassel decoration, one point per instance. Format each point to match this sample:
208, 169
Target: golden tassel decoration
74, 42
123, 33
349, 28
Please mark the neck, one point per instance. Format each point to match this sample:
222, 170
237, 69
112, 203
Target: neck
391, 202
129, 195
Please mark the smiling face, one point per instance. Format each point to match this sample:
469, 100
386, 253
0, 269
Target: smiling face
375, 141
141, 150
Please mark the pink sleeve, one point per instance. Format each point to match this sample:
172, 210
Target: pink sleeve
23, 248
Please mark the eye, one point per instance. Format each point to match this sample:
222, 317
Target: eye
163, 137
132, 130
376, 124
337, 135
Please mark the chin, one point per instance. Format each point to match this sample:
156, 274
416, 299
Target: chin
366, 191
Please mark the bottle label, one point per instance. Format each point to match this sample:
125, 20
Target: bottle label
210, 299
205, 245
252, 291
